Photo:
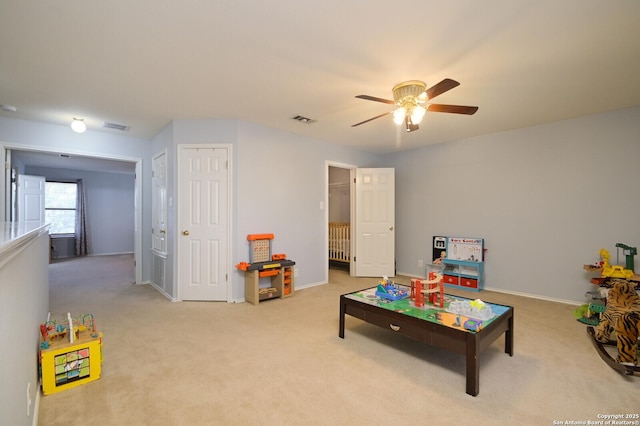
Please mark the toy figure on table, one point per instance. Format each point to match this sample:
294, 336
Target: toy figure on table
387, 290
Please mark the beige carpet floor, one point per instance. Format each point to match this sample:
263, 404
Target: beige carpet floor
282, 362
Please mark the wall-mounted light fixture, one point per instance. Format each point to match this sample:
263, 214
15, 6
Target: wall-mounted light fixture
78, 125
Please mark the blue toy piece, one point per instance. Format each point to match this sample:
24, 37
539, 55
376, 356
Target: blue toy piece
473, 325
390, 292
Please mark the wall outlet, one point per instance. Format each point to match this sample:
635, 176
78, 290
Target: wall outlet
420, 263
295, 272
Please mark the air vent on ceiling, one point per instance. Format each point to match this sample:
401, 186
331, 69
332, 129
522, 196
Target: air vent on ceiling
302, 119
121, 127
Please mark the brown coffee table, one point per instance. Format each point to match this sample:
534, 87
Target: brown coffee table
433, 325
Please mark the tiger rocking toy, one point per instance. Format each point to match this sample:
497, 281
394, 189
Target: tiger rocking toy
622, 316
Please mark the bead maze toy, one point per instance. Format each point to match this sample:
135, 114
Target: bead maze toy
70, 353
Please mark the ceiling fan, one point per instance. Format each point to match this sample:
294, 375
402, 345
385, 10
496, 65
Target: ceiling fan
411, 98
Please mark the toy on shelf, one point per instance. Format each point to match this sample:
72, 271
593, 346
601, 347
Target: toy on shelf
608, 271
387, 290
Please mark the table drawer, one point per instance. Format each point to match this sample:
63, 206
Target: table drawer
450, 279
396, 325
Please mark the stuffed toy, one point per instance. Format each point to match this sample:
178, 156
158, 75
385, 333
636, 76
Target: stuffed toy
622, 315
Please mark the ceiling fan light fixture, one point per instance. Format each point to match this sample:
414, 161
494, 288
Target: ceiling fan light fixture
399, 115
78, 125
417, 114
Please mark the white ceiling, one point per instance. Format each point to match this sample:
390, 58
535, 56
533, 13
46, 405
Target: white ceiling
144, 63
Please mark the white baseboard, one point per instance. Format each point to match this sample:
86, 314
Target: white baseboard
514, 293
302, 287
535, 296
36, 407
162, 292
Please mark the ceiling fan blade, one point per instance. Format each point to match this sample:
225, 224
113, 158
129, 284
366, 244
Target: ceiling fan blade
455, 109
373, 98
444, 86
371, 119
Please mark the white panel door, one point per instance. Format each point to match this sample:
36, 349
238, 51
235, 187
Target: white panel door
375, 222
30, 199
203, 180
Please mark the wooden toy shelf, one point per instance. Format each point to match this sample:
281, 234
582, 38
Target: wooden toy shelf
464, 274
463, 266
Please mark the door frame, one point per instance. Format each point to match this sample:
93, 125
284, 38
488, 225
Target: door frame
176, 232
352, 170
137, 244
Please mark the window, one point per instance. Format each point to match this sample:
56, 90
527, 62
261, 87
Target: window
60, 207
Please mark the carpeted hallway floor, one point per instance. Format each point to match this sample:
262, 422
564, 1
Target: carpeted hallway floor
282, 362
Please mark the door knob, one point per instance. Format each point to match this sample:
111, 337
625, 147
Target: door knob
391, 228
185, 232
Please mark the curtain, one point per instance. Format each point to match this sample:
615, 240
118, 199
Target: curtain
82, 239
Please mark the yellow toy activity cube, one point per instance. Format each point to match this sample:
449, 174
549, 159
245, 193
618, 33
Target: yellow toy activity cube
69, 359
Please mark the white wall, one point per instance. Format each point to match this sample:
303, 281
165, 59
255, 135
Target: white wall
24, 303
282, 179
545, 198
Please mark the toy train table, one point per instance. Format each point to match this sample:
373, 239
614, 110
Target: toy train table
607, 357
443, 327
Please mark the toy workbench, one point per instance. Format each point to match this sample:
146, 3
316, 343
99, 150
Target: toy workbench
65, 365
264, 264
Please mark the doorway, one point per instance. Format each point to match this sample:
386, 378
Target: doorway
20, 157
339, 217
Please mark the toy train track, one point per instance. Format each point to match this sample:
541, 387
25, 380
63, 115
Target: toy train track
608, 359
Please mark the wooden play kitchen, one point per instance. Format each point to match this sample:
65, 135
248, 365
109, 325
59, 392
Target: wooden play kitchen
263, 264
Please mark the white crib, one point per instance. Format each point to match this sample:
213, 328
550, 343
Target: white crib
339, 243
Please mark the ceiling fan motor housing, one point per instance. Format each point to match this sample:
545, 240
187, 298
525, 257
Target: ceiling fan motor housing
408, 91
